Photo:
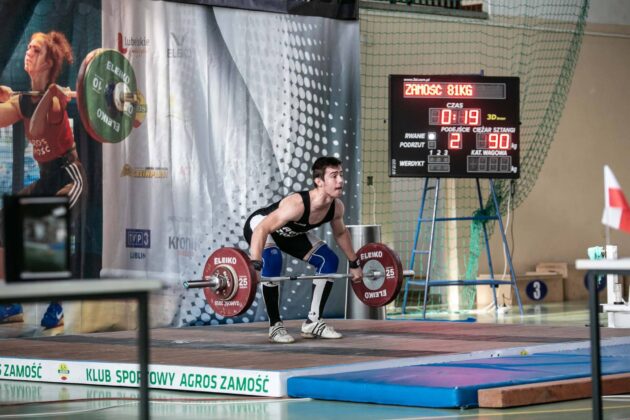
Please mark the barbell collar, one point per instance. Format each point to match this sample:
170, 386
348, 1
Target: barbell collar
131, 97
199, 284
214, 282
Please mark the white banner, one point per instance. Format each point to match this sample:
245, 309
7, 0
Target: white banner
183, 378
240, 103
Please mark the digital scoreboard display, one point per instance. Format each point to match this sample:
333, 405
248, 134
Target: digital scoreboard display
454, 126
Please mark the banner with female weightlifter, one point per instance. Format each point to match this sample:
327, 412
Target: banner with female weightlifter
238, 105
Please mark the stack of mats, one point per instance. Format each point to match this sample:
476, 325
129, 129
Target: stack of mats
455, 384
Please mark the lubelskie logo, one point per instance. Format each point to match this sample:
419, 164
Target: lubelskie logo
121, 45
135, 45
138, 238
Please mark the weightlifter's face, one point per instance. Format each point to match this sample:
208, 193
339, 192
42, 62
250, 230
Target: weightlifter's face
35, 59
333, 181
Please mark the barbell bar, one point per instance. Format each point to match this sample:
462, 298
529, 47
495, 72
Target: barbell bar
65, 90
217, 282
119, 96
230, 281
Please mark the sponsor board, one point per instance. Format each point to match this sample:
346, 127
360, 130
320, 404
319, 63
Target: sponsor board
182, 378
143, 172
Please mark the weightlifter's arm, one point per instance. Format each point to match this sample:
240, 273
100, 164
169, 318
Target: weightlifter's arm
49, 111
343, 239
9, 113
290, 209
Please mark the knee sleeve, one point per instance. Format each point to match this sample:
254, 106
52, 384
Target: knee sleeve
272, 264
325, 260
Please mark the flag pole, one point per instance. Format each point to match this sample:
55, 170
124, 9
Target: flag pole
606, 211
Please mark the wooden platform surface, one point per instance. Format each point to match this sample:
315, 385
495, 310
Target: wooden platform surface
245, 346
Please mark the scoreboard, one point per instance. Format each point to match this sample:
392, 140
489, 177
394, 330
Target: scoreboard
454, 126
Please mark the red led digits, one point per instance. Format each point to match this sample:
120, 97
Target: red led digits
505, 141
455, 116
472, 116
422, 90
446, 116
454, 140
438, 90
499, 141
460, 90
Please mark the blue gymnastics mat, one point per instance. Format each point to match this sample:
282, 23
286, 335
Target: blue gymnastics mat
455, 384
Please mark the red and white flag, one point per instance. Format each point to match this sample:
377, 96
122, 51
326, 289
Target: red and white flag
616, 210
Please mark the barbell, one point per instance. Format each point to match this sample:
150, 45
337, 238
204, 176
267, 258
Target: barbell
230, 281
66, 90
108, 99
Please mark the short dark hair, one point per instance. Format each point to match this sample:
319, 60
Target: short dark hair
319, 167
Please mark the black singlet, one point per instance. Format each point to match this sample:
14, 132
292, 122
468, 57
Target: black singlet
300, 226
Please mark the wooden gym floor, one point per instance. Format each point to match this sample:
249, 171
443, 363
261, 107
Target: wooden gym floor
245, 346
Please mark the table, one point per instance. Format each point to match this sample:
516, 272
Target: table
595, 268
96, 289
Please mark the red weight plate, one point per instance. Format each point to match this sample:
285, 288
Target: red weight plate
232, 261
381, 291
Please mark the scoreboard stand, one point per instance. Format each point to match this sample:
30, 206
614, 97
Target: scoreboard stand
428, 280
453, 126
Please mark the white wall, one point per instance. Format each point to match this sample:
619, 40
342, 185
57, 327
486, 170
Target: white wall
611, 12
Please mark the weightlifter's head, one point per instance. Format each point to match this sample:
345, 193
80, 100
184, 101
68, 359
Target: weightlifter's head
328, 175
45, 55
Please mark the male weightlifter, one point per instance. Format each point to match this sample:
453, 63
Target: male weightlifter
284, 226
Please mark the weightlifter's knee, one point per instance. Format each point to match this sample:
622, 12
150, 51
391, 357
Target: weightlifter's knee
272, 264
325, 260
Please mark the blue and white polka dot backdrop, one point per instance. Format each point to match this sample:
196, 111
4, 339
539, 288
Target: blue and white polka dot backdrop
300, 82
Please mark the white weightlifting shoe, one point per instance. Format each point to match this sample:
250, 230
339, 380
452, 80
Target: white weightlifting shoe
319, 329
279, 334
